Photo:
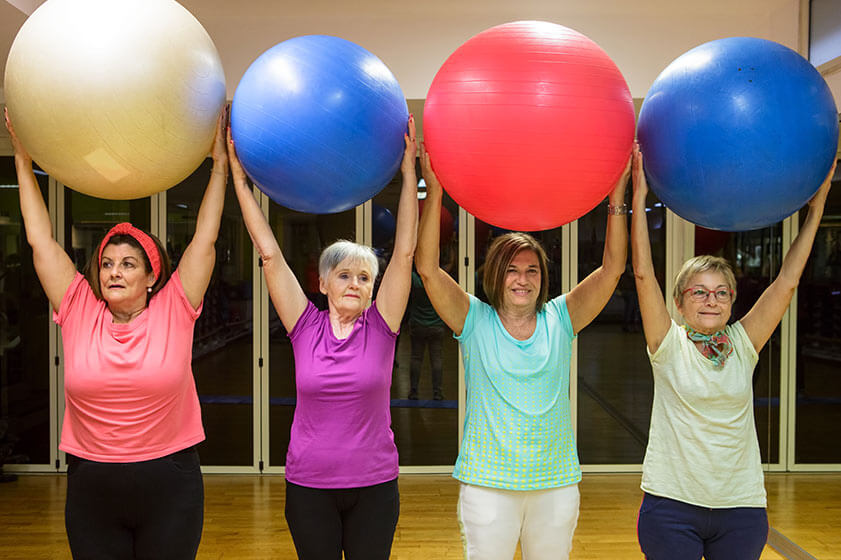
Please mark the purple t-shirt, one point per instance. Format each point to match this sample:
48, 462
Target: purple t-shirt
341, 434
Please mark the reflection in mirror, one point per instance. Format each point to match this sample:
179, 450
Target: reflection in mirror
424, 387
24, 336
818, 383
615, 387
223, 338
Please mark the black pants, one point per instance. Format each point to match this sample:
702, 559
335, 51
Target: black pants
147, 510
360, 521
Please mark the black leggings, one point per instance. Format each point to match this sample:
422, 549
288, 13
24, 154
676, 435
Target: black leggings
360, 521
146, 510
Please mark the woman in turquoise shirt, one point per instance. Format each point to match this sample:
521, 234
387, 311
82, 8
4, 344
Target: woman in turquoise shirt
518, 462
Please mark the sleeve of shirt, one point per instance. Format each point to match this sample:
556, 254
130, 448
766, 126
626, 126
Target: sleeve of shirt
175, 289
558, 307
470, 321
305, 319
669, 341
72, 299
375, 319
741, 342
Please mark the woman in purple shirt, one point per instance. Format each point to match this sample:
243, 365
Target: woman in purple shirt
341, 468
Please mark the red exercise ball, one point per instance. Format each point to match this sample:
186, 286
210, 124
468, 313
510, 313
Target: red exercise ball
529, 125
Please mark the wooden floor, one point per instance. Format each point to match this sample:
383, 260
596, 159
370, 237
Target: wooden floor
244, 517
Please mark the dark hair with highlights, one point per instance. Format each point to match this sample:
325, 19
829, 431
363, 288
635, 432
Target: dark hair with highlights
502, 251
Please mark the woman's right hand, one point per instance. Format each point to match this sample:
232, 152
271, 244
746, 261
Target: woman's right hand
433, 185
20, 151
407, 165
237, 172
640, 183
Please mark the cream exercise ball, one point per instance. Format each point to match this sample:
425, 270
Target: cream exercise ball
116, 99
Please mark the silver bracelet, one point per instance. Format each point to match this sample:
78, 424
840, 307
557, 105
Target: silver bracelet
617, 210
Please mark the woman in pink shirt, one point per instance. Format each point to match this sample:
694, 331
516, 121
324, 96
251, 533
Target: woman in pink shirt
341, 467
132, 416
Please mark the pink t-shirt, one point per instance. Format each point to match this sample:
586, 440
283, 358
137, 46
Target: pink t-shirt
129, 388
341, 434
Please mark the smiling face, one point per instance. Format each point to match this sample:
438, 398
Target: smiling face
123, 278
708, 315
522, 282
348, 287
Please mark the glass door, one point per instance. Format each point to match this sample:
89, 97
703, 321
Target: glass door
818, 351
224, 336
424, 387
615, 387
25, 361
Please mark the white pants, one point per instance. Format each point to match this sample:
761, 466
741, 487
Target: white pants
493, 520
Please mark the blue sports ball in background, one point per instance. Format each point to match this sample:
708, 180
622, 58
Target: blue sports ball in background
383, 225
318, 124
738, 133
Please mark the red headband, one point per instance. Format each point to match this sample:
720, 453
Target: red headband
148, 244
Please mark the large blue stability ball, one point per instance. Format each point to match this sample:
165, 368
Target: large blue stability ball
738, 133
318, 124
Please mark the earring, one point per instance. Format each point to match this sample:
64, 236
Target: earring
149, 289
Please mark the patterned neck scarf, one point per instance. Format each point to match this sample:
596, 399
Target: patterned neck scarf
716, 347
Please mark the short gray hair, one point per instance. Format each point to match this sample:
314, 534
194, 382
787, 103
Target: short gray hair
344, 249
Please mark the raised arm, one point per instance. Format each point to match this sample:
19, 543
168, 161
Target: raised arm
288, 298
586, 300
397, 278
449, 300
655, 317
54, 268
762, 319
196, 265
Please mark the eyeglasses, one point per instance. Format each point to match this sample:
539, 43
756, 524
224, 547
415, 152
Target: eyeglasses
699, 294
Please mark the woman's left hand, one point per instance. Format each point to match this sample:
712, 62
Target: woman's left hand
617, 195
411, 150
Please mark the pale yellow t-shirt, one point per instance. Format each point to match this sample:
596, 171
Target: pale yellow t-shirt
702, 445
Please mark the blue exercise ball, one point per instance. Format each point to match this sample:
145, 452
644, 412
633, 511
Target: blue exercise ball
318, 124
738, 133
383, 225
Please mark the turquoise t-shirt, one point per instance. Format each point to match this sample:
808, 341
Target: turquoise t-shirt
517, 427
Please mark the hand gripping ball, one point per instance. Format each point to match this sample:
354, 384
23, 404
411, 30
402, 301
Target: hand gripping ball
529, 125
738, 133
318, 124
117, 100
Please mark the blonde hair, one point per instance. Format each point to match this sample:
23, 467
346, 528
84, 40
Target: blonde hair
699, 264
